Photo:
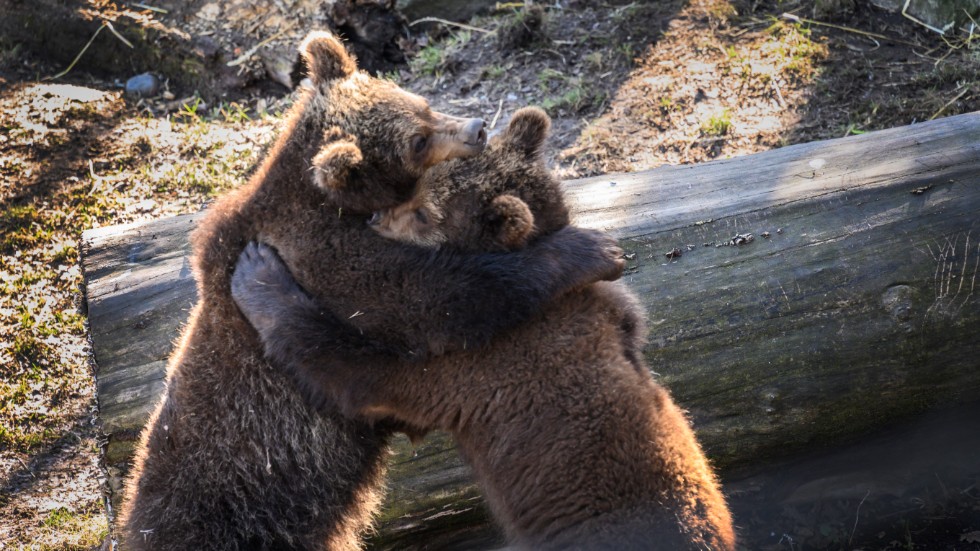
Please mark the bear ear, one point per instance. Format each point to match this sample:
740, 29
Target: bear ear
338, 156
326, 58
527, 131
512, 220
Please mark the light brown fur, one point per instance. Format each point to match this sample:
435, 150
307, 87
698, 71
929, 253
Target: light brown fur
573, 442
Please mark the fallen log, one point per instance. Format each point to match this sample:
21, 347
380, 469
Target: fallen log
798, 298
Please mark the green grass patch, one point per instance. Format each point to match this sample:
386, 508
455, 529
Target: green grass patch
792, 43
21, 440
66, 530
23, 227
571, 94
572, 100
718, 124
203, 175
58, 518
429, 60
549, 78
435, 58
494, 72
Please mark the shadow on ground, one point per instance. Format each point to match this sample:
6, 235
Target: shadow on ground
913, 486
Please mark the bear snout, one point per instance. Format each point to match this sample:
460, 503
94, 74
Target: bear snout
474, 133
455, 137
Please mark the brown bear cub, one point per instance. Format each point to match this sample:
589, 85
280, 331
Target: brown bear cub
477, 205
574, 444
234, 457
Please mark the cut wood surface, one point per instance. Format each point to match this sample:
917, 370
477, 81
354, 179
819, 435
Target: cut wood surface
812, 294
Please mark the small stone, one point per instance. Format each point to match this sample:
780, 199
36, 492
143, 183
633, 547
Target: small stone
210, 12
206, 46
168, 95
145, 85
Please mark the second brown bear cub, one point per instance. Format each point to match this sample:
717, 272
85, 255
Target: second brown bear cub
494, 202
574, 446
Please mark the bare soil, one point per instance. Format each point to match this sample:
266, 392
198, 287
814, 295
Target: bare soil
630, 86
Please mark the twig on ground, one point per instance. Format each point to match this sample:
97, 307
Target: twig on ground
26, 468
79, 56
557, 53
151, 8
950, 102
96, 180
119, 36
857, 516
105, 24
957, 44
910, 17
779, 93
452, 24
496, 116
798, 19
251, 51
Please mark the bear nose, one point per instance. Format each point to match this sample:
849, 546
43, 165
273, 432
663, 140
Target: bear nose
475, 132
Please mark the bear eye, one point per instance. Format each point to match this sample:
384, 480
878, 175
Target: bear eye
418, 143
421, 216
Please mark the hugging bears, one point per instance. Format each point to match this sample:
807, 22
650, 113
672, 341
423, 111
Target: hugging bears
573, 442
233, 456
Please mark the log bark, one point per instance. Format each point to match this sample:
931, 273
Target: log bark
798, 298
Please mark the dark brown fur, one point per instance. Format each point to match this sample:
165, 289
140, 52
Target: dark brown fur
233, 457
574, 443
484, 203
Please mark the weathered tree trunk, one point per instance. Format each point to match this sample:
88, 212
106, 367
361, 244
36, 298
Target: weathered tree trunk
797, 298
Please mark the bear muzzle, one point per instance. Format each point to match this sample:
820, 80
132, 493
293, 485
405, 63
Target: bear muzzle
455, 137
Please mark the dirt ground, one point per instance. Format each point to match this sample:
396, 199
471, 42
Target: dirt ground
630, 86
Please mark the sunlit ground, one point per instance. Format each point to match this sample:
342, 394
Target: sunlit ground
712, 86
76, 158
630, 87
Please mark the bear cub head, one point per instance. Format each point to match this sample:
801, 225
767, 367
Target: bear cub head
368, 140
495, 201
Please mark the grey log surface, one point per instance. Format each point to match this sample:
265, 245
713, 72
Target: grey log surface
858, 309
